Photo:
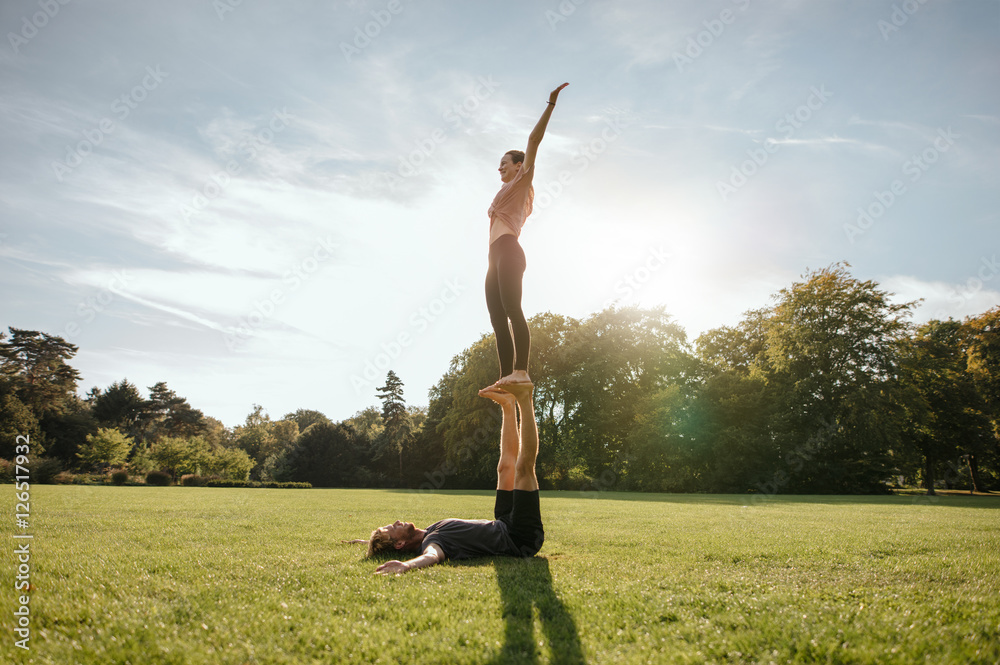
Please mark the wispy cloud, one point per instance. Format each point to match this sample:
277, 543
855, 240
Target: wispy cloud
204, 243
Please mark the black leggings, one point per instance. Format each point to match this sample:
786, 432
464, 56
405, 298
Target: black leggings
519, 510
503, 299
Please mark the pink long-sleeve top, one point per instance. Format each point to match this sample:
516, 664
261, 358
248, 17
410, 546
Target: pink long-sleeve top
512, 204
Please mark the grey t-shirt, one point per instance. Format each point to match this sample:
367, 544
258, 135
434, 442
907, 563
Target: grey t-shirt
467, 539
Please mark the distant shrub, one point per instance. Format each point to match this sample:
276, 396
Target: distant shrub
226, 483
85, 479
254, 483
63, 478
157, 478
192, 480
44, 470
119, 476
41, 470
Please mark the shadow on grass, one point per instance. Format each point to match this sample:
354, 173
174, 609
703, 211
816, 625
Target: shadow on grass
526, 584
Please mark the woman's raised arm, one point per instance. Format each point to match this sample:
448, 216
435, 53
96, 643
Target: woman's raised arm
539, 131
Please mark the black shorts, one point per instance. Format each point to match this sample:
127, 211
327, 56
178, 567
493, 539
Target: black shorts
519, 510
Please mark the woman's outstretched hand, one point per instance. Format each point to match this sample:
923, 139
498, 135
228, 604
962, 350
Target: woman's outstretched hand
555, 93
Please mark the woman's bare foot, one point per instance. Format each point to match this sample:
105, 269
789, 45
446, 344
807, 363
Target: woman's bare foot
518, 376
520, 391
498, 395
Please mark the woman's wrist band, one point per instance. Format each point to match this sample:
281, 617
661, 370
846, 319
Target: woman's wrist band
553, 103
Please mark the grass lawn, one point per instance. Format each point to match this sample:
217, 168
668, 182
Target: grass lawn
192, 575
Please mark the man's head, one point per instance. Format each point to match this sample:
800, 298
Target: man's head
398, 536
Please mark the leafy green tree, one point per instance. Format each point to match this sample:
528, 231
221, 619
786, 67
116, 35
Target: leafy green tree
255, 436
285, 432
554, 361
733, 420
16, 419
66, 432
228, 463
108, 448
327, 455
833, 347
740, 349
306, 417
463, 427
621, 357
367, 422
661, 458
176, 455
216, 432
805, 396
982, 335
590, 379
944, 409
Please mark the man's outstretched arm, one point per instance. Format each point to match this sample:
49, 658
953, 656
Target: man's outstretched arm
432, 555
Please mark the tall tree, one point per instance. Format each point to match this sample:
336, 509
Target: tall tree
168, 414
982, 336
804, 396
937, 393
590, 379
619, 358
395, 418
34, 368
833, 351
326, 455
36, 365
120, 406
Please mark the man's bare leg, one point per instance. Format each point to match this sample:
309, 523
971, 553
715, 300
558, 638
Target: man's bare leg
524, 468
509, 436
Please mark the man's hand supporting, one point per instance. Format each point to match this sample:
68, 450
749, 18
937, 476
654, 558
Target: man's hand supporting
431, 556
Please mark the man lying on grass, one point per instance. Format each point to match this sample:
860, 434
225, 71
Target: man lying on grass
517, 527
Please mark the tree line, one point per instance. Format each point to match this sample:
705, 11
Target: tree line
830, 389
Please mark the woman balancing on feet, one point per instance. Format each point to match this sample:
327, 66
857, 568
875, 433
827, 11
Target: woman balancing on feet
510, 208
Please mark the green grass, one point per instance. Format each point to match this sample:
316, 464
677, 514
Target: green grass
201, 575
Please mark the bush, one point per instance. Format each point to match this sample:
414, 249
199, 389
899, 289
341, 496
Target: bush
158, 478
44, 470
254, 483
192, 480
63, 478
231, 483
83, 479
41, 471
119, 476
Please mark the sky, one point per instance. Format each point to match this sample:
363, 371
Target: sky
275, 203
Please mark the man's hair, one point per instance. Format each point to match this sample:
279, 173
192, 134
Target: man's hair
516, 156
379, 542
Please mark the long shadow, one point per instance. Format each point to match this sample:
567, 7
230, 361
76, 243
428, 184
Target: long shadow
526, 584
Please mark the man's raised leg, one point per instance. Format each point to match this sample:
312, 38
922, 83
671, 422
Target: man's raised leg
524, 468
509, 436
